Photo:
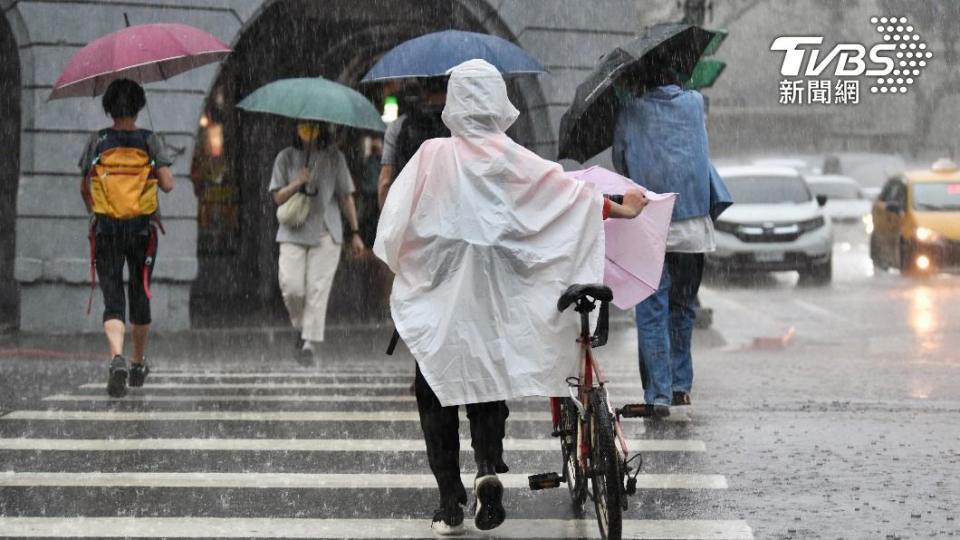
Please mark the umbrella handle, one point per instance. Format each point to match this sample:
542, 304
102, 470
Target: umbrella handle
126, 20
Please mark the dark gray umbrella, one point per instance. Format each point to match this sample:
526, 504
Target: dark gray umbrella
586, 129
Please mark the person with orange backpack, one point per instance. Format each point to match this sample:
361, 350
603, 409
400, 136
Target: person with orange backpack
123, 167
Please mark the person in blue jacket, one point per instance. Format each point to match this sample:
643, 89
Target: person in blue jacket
660, 142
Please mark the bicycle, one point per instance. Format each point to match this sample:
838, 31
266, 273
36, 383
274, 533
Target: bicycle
591, 438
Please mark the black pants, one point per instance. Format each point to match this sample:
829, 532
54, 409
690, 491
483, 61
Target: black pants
441, 427
112, 252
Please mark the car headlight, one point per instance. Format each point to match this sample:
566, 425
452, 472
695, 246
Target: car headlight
727, 227
924, 234
810, 224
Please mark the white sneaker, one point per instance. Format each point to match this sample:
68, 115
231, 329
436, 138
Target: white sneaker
448, 521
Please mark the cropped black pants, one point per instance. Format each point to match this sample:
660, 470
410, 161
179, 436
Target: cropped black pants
441, 426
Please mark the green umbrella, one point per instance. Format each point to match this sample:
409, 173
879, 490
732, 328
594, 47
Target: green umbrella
705, 73
315, 99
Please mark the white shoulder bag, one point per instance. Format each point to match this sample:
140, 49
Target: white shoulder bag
294, 212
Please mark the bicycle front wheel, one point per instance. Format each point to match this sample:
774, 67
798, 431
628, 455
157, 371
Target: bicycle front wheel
572, 471
606, 477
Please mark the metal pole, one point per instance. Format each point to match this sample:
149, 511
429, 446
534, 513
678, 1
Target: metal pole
694, 11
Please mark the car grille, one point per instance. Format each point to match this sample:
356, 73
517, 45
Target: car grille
767, 236
770, 232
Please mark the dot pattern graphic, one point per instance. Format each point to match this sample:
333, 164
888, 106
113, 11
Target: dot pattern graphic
911, 54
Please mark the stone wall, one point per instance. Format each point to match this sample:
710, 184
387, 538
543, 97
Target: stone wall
568, 36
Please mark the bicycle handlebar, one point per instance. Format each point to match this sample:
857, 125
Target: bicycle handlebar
614, 198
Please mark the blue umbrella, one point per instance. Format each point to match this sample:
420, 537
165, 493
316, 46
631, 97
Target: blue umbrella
431, 55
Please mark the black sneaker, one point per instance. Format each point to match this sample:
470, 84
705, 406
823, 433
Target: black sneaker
305, 357
138, 374
489, 493
681, 398
117, 380
659, 411
448, 520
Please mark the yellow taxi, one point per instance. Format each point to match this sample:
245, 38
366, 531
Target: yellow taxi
916, 221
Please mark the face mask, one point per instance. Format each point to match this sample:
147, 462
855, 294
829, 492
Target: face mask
308, 131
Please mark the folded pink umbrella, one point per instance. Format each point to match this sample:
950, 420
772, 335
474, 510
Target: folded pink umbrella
635, 247
144, 53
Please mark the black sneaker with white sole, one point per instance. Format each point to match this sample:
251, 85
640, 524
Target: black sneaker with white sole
489, 493
138, 374
117, 379
305, 357
448, 520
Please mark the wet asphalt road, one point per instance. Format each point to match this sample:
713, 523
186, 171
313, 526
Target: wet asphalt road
819, 412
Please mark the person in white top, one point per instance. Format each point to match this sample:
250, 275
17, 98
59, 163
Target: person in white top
660, 142
484, 236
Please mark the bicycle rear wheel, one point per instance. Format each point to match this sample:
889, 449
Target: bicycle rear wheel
572, 471
607, 476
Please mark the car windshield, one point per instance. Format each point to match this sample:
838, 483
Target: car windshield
767, 189
936, 196
836, 190
873, 170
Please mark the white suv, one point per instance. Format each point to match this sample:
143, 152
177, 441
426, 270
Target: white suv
775, 224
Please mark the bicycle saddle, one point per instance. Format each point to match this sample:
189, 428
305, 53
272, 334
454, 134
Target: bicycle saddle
578, 291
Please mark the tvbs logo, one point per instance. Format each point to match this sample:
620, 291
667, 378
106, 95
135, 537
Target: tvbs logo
896, 62
849, 58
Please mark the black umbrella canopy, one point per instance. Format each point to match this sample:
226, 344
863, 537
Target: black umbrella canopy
586, 129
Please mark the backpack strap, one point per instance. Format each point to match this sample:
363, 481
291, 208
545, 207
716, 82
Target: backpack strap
92, 238
393, 342
151, 254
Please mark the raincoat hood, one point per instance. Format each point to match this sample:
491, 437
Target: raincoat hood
477, 102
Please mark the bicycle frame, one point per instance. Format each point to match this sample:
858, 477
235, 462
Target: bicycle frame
589, 368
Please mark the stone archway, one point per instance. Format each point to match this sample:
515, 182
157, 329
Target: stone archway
10, 78
339, 40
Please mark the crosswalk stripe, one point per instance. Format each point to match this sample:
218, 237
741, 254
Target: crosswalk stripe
259, 416
244, 416
294, 386
313, 445
279, 375
247, 480
311, 398
304, 374
200, 527
266, 385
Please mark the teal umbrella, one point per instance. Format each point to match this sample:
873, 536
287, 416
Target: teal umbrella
315, 99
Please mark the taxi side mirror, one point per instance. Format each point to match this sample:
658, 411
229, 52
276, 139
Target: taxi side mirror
821, 199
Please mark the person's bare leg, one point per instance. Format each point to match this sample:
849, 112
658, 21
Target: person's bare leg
114, 329
140, 332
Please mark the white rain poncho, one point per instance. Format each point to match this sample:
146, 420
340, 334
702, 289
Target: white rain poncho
484, 236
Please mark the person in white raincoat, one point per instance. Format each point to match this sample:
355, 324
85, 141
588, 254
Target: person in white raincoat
484, 236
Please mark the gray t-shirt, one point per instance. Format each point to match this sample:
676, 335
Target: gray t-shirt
330, 180
389, 156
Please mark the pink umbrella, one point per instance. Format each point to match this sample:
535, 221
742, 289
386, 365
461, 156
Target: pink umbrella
635, 247
144, 53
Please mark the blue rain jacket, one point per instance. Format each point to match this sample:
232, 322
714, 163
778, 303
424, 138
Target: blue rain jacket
660, 142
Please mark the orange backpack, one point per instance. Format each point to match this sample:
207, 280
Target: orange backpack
122, 183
